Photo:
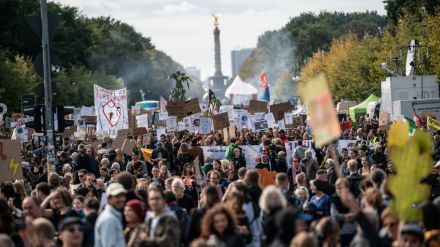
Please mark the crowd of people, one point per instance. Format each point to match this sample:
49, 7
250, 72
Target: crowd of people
181, 197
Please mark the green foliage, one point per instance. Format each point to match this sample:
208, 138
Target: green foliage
17, 78
398, 8
178, 93
92, 50
412, 158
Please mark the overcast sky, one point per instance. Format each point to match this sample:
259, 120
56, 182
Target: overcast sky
183, 29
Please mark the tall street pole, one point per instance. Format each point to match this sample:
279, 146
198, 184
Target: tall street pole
47, 87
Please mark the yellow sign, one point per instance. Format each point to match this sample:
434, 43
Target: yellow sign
432, 123
10, 158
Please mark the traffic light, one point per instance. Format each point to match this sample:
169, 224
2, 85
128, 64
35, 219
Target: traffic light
38, 113
62, 112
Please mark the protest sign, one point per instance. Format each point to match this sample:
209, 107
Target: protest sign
251, 153
432, 123
139, 131
135, 110
424, 115
281, 124
127, 146
288, 120
86, 111
142, 121
229, 109
163, 116
220, 121
176, 109
270, 119
172, 123
384, 118
257, 106
188, 123
348, 144
260, 125
160, 132
324, 120
192, 106
205, 126
195, 119
266, 177
278, 110
111, 110
291, 145
180, 126
297, 121
10, 160
229, 133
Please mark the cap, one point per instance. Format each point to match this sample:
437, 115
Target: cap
282, 131
413, 229
67, 222
137, 207
115, 189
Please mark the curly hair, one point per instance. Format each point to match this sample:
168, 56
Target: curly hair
208, 220
65, 195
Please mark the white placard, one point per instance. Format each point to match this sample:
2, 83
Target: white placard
251, 153
259, 116
270, 119
172, 123
163, 115
288, 118
281, 125
291, 145
229, 109
205, 125
86, 111
142, 121
111, 110
160, 132
180, 126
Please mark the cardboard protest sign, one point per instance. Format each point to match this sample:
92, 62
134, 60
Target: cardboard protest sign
220, 121
266, 177
297, 121
229, 109
176, 109
10, 160
324, 120
192, 106
135, 110
123, 132
257, 106
111, 110
229, 133
157, 121
425, 115
127, 146
139, 131
278, 110
384, 119
205, 126
69, 131
261, 125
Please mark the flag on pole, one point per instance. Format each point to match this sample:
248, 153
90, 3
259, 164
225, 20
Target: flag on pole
417, 119
162, 104
211, 95
266, 95
263, 79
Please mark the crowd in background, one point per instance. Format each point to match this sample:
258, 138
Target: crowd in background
181, 197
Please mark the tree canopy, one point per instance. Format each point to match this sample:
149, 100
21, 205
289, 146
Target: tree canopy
100, 50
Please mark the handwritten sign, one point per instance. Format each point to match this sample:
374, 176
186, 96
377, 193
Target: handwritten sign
278, 110
10, 160
220, 121
176, 109
205, 126
257, 106
192, 106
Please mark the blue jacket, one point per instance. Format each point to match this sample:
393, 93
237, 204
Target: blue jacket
108, 229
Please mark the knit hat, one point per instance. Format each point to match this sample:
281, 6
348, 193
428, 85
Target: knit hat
137, 207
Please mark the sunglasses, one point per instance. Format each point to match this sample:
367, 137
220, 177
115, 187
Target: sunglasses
73, 229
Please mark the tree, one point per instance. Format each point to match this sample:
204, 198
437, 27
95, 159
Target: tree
178, 93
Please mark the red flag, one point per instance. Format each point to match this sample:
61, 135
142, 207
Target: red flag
345, 125
417, 119
263, 80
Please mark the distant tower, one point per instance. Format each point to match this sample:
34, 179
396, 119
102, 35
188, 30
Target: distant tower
218, 82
